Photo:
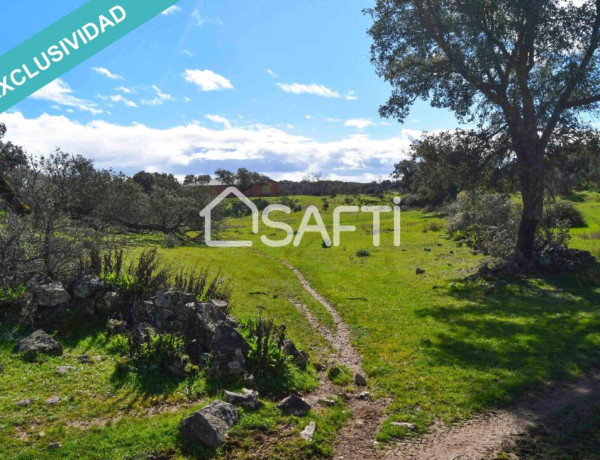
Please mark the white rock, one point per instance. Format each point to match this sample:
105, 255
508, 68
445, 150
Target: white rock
308, 432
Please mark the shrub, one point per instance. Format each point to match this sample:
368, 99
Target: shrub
165, 352
563, 211
363, 253
489, 222
265, 339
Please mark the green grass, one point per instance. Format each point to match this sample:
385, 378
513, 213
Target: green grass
440, 347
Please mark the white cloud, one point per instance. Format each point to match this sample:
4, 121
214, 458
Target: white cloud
61, 93
273, 74
207, 80
219, 119
308, 117
159, 99
119, 98
359, 123
107, 73
124, 89
171, 10
187, 53
193, 147
198, 18
317, 90
351, 96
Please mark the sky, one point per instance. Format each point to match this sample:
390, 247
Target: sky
281, 87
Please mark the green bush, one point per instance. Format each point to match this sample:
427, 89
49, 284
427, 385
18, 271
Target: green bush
363, 253
563, 211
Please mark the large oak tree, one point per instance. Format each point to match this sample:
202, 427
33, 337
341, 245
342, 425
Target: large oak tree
530, 67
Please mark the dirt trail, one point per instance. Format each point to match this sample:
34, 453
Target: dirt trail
488, 435
357, 438
481, 438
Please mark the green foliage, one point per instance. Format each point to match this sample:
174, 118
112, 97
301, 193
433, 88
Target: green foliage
265, 338
487, 221
8, 295
363, 253
563, 211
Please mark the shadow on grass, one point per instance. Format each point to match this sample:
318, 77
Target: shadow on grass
518, 334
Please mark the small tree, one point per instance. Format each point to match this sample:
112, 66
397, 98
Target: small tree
527, 67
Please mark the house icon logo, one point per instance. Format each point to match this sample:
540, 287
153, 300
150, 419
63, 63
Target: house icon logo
207, 214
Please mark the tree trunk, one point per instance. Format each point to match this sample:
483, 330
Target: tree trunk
531, 176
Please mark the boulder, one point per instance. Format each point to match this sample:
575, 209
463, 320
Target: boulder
229, 350
88, 286
294, 405
230, 363
247, 399
210, 425
308, 432
38, 342
50, 295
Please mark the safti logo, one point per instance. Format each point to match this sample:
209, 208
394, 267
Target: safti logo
311, 214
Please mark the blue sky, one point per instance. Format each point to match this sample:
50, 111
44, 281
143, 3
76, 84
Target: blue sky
282, 87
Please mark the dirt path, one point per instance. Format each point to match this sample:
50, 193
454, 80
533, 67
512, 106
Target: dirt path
488, 435
357, 438
483, 437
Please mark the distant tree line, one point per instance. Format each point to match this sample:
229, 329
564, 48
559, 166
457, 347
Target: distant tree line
326, 187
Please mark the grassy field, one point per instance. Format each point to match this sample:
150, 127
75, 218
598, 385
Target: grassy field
441, 347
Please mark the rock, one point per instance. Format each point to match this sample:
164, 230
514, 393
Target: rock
364, 396
409, 426
210, 425
308, 432
228, 349
359, 380
197, 353
230, 363
420, 271
55, 446
50, 295
108, 302
64, 369
221, 305
320, 367
228, 339
88, 286
116, 326
300, 357
333, 372
248, 399
38, 342
53, 400
25, 402
294, 405
84, 359
328, 402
